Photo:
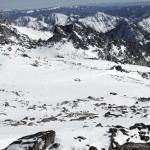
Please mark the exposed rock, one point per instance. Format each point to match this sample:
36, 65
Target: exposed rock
54, 146
49, 119
38, 141
7, 104
113, 93
146, 75
92, 148
112, 130
135, 146
138, 126
10, 35
77, 79
119, 68
81, 138
143, 99
99, 125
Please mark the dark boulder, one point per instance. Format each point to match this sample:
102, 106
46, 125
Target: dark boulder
119, 68
92, 148
38, 141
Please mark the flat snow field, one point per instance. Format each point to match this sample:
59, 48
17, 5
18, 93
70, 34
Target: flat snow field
34, 88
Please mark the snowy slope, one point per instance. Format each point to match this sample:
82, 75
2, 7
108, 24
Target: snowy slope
30, 22
41, 86
101, 22
57, 19
65, 83
145, 24
34, 34
43, 22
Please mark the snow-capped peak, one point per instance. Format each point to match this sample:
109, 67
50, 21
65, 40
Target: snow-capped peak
30, 22
100, 22
57, 18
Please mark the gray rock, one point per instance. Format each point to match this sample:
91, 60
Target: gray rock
38, 141
135, 146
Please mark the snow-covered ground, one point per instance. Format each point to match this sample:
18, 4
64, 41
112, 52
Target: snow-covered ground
34, 34
70, 96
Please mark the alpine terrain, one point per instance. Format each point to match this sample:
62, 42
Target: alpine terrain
75, 78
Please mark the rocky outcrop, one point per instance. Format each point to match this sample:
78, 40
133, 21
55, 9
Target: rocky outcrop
143, 134
38, 141
81, 37
135, 146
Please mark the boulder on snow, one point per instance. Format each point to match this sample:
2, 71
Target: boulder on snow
92, 148
38, 141
119, 68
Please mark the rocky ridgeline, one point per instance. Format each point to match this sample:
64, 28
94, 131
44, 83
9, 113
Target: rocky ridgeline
123, 41
125, 44
11, 36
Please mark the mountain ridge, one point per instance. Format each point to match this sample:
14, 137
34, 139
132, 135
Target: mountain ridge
123, 39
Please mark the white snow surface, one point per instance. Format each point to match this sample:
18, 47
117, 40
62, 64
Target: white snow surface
101, 22
34, 34
38, 87
145, 24
30, 22
43, 22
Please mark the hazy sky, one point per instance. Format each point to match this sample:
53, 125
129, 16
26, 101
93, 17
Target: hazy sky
25, 4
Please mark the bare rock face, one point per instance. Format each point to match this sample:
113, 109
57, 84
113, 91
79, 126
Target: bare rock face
38, 141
